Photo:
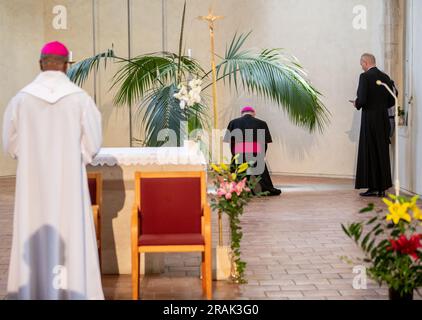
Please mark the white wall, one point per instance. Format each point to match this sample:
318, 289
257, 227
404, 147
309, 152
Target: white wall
318, 32
21, 37
321, 35
410, 138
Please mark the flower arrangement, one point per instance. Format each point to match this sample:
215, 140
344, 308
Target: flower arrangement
234, 191
393, 245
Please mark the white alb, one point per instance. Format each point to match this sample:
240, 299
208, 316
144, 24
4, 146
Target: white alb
53, 129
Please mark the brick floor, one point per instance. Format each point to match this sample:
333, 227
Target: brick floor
292, 245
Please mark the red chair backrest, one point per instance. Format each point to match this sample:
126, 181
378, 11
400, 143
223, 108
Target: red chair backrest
170, 205
92, 184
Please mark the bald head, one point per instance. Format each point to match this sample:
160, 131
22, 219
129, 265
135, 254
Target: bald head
368, 61
49, 62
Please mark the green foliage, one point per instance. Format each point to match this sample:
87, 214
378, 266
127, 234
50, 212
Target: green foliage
150, 72
80, 71
275, 76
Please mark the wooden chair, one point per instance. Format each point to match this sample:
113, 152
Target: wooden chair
95, 184
171, 214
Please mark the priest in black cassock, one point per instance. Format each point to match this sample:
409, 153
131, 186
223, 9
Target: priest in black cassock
373, 167
249, 137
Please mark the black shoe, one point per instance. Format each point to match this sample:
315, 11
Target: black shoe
381, 194
274, 192
370, 193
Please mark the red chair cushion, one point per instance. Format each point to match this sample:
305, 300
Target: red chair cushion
170, 206
171, 239
92, 184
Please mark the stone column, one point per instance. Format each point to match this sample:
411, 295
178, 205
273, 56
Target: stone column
394, 38
394, 53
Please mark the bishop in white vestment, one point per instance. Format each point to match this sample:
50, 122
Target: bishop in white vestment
53, 128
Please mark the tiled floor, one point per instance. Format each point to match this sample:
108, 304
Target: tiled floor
292, 245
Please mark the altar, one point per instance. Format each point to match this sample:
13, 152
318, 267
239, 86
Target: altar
118, 166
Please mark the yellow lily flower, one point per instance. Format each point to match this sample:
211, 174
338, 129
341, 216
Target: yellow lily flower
216, 168
234, 176
236, 159
392, 196
417, 212
243, 167
398, 211
224, 167
388, 202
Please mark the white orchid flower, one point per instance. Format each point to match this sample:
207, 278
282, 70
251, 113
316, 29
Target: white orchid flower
196, 90
189, 98
195, 83
195, 96
182, 93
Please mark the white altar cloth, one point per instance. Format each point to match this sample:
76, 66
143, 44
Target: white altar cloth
187, 155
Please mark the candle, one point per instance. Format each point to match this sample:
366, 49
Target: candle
70, 56
190, 53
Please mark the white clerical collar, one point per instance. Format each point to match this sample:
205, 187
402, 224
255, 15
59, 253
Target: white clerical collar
51, 86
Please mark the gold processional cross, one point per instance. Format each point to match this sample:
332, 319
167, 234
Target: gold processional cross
210, 18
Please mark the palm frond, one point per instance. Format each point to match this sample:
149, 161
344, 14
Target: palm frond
150, 72
273, 75
182, 29
197, 117
80, 71
162, 112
